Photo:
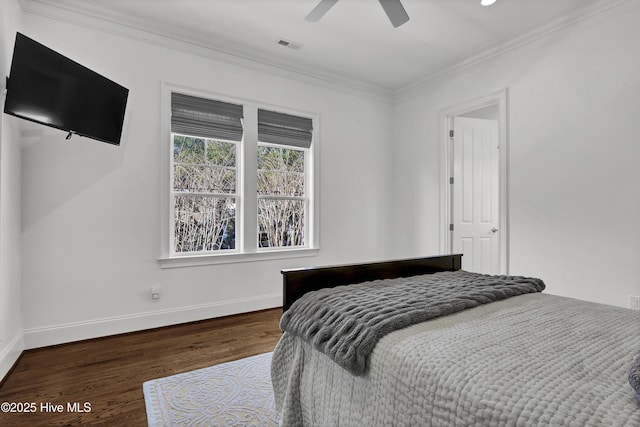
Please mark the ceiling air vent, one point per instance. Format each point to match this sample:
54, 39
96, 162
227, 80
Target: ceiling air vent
288, 44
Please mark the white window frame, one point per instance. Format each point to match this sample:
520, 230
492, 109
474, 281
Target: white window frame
246, 246
173, 194
305, 198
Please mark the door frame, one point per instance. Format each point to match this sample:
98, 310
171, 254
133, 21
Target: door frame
446, 172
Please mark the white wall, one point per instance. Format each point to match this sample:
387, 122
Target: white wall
90, 211
11, 343
91, 217
574, 198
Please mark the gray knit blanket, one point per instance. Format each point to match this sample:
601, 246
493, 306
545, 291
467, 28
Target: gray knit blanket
346, 322
634, 377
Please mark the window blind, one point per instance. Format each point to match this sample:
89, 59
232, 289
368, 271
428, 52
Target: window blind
195, 116
284, 129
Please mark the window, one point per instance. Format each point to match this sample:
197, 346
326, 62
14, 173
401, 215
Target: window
283, 141
205, 135
222, 153
281, 201
204, 193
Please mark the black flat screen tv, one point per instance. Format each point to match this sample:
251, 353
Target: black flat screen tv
48, 88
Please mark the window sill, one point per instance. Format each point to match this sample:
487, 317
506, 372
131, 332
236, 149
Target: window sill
213, 259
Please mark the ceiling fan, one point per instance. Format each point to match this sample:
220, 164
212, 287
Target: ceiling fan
393, 8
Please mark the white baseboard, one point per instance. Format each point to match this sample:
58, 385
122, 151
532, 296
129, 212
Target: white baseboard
59, 334
10, 354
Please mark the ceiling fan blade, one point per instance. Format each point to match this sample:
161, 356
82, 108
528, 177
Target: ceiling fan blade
320, 10
394, 10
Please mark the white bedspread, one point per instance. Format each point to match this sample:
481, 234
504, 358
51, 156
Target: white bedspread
529, 360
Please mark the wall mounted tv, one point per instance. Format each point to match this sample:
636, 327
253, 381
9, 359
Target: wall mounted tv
48, 88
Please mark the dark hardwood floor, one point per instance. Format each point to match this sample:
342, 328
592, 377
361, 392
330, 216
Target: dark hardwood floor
108, 373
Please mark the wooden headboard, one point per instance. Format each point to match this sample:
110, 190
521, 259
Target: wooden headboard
298, 281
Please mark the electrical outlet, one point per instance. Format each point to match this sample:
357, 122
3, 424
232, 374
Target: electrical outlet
155, 293
634, 302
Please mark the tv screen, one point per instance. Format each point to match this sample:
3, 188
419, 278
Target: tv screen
48, 88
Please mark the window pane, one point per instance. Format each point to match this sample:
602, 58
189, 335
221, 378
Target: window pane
280, 171
204, 223
189, 178
221, 153
204, 165
188, 150
220, 180
280, 223
283, 159
204, 179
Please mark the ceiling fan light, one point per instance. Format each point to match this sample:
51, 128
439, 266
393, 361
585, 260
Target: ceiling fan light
487, 2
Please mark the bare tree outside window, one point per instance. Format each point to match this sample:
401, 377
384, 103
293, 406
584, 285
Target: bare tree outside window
281, 196
204, 189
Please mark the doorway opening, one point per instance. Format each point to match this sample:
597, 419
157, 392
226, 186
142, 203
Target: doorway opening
474, 218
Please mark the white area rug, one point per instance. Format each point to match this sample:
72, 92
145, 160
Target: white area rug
237, 393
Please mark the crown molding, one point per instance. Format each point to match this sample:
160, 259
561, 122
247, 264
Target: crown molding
109, 20
114, 21
555, 25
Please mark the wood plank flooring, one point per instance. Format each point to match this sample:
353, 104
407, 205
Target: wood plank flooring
108, 372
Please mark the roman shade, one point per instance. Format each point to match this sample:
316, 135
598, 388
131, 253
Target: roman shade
284, 129
208, 118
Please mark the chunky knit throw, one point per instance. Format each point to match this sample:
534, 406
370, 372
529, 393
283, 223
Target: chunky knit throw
346, 322
634, 376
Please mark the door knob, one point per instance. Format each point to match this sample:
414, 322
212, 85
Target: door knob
494, 230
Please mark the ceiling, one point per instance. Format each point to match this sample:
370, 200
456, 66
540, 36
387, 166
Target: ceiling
354, 41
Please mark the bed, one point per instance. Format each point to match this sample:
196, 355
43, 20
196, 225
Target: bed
522, 359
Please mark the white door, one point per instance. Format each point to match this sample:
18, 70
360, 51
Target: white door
475, 204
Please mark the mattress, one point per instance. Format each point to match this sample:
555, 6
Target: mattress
534, 359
